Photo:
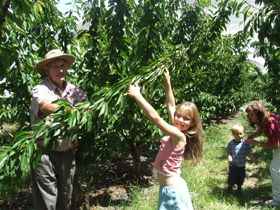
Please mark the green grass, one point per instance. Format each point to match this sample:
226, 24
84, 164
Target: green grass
207, 181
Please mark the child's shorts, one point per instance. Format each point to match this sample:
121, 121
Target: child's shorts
175, 197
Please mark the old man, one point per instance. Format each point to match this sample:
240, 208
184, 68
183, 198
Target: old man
52, 179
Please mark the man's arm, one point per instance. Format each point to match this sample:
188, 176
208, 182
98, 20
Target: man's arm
46, 107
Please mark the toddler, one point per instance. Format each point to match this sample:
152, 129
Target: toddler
237, 150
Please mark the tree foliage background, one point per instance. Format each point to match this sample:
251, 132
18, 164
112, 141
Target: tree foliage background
123, 42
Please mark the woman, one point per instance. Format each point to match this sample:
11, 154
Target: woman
268, 124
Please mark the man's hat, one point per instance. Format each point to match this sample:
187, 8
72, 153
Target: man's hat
52, 55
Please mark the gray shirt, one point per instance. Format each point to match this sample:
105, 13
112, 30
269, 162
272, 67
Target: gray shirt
47, 90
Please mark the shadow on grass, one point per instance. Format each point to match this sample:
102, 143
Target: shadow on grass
254, 192
248, 197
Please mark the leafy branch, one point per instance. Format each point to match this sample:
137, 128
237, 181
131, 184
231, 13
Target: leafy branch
69, 122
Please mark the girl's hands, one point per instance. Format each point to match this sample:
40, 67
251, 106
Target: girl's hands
134, 90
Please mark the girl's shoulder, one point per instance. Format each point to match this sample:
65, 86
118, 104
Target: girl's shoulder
165, 138
273, 120
273, 116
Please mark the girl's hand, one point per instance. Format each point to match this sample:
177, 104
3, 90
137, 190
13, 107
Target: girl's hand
134, 90
167, 74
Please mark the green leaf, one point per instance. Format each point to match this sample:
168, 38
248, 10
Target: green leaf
23, 162
104, 109
3, 161
89, 123
57, 132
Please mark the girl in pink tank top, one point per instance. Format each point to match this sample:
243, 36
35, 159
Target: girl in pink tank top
183, 141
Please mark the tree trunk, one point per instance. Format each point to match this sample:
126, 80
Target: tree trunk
135, 155
76, 190
4, 12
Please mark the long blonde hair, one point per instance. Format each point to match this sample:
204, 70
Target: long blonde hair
194, 146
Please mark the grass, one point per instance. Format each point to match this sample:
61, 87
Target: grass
207, 182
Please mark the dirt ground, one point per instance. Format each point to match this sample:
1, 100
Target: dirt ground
102, 187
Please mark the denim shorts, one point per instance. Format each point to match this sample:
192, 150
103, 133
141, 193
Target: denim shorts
175, 197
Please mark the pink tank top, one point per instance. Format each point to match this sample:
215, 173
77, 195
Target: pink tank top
168, 160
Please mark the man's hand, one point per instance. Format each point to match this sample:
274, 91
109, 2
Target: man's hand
46, 107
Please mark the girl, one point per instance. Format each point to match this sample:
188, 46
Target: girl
183, 140
269, 125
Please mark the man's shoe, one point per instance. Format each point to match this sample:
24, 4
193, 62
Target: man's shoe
272, 202
229, 190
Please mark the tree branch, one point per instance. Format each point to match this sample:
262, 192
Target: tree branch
5, 12
253, 6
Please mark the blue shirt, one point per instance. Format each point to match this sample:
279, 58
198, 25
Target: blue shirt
238, 151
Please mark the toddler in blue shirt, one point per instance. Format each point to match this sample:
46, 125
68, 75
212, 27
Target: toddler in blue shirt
237, 150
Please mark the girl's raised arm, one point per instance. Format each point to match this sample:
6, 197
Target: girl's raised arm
153, 116
170, 100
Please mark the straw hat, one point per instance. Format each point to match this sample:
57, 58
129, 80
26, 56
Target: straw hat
52, 55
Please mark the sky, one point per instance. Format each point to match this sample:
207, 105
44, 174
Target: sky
63, 7
234, 25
